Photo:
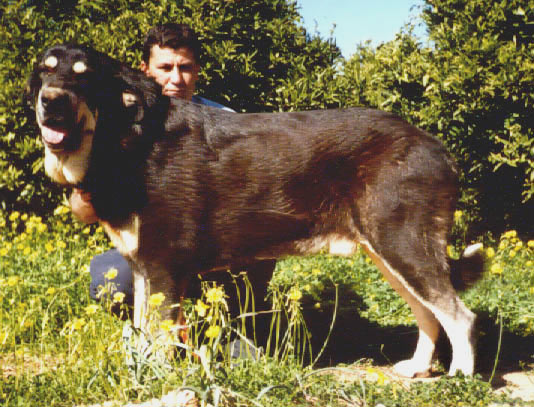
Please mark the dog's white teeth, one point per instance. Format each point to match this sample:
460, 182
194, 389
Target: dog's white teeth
52, 136
79, 67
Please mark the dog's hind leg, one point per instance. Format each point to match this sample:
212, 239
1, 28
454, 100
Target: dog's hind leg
439, 306
419, 364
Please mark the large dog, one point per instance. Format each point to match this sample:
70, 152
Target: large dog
183, 188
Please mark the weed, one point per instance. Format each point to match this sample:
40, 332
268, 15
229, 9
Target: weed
58, 347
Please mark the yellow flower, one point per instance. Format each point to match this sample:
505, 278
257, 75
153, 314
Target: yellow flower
156, 300
111, 274
13, 281
518, 245
14, 216
86, 230
213, 331
490, 252
294, 294
529, 263
28, 323
531, 244
215, 295
510, 234
78, 324
167, 325
118, 297
91, 309
502, 245
377, 375
26, 251
316, 272
50, 291
458, 215
4, 251
512, 253
201, 308
61, 244
496, 268
49, 247
61, 210
24, 217
450, 251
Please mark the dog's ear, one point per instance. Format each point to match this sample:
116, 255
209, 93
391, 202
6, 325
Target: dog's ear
133, 103
139, 84
135, 110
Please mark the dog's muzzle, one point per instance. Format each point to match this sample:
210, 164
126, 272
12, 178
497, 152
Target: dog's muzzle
58, 115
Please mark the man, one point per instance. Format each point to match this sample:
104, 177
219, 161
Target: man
171, 55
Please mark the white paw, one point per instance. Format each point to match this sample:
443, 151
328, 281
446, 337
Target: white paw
410, 368
467, 370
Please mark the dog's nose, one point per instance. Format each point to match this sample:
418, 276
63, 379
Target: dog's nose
54, 100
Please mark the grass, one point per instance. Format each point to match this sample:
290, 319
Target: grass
59, 348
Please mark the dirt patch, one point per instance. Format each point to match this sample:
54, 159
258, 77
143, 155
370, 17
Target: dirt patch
518, 384
25, 363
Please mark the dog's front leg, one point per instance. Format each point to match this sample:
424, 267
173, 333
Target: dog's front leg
141, 295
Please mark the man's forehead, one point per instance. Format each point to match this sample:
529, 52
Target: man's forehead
181, 55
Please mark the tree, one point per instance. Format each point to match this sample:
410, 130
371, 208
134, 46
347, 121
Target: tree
472, 86
484, 59
252, 50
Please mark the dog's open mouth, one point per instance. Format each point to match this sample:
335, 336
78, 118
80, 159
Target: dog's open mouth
53, 137
62, 137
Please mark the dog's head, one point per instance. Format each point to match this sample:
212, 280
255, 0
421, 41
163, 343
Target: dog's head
74, 89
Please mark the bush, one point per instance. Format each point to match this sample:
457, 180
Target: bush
250, 50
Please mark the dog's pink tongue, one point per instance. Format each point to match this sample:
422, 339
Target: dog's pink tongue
52, 136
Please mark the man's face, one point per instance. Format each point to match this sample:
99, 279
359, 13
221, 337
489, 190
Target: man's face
174, 69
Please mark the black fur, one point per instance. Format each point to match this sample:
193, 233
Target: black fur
214, 188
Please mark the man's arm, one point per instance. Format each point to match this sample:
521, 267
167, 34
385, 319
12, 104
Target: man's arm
81, 207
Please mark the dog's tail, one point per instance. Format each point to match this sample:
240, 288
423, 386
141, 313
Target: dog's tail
468, 269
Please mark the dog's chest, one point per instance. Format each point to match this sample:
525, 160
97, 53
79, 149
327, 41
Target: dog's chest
125, 238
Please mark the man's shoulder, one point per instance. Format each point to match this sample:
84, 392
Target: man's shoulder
210, 103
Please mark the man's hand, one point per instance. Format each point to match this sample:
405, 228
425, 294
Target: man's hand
81, 207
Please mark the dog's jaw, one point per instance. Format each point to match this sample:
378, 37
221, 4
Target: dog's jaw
70, 167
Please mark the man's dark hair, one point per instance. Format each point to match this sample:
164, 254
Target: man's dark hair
171, 35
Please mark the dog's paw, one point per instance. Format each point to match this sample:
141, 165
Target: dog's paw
466, 368
409, 368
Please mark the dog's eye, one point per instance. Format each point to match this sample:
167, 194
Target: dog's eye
79, 67
50, 63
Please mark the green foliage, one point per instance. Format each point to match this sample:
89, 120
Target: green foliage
472, 87
51, 333
251, 51
485, 59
